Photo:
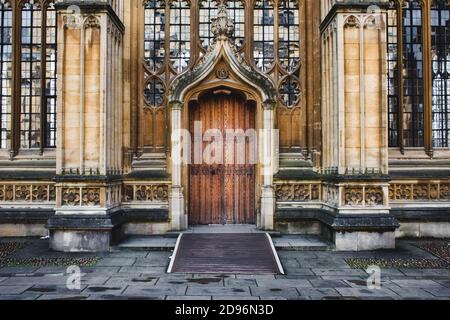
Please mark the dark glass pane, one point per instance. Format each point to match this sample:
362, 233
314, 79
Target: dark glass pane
154, 34
154, 93
50, 77
413, 123
392, 76
263, 32
289, 35
440, 54
6, 74
180, 35
31, 46
290, 92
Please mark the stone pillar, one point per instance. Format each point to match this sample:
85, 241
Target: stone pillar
180, 150
269, 165
354, 107
89, 153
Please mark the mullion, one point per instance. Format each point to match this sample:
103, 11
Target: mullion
392, 80
440, 79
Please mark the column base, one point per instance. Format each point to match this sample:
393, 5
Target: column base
81, 233
364, 241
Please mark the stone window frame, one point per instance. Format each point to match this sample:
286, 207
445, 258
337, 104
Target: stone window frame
397, 113
45, 129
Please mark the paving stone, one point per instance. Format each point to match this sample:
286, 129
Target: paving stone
344, 277
324, 264
192, 282
298, 272
110, 297
133, 280
101, 270
52, 270
212, 275
3, 279
69, 297
23, 296
240, 283
317, 293
218, 291
365, 292
392, 273
96, 289
409, 293
44, 280
272, 298
150, 290
439, 292
150, 262
142, 270
274, 291
363, 283
17, 270
284, 283
188, 298
52, 289
227, 298
320, 283
445, 283
433, 273
256, 277
127, 254
116, 262
340, 272
13, 289
417, 283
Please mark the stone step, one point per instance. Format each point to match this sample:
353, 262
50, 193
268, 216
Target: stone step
167, 243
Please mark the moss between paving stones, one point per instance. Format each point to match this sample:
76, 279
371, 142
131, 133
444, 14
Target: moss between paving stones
49, 262
364, 263
440, 249
9, 248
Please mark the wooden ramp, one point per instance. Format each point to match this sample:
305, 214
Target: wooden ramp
250, 253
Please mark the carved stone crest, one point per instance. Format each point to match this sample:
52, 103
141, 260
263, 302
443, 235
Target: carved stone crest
222, 26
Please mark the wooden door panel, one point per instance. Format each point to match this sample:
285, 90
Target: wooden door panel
222, 193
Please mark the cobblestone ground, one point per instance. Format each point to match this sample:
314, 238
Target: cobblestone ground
141, 275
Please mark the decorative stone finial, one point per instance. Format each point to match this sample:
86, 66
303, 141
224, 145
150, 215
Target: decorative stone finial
222, 27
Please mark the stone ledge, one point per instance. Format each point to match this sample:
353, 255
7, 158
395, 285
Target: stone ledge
341, 222
25, 216
146, 215
422, 214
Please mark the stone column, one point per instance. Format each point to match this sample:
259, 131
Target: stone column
89, 162
355, 137
268, 166
180, 150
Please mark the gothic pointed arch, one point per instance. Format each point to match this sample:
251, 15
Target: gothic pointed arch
223, 49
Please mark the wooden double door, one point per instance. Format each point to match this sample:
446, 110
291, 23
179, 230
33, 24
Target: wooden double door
222, 178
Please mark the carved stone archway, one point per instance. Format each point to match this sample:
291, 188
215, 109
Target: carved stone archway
222, 51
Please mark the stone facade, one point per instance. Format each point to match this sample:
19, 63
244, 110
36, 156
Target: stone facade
115, 171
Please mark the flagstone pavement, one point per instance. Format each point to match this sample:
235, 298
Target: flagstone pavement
141, 274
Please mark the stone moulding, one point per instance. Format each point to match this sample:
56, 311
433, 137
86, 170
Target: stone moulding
223, 48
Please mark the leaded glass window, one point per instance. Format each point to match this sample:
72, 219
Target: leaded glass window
154, 34
180, 35
289, 35
50, 75
6, 56
393, 75
413, 102
263, 32
208, 11
440, 55
31, 65
237, 13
